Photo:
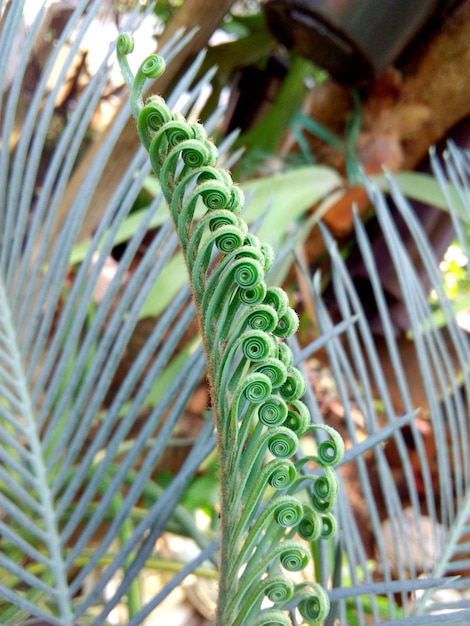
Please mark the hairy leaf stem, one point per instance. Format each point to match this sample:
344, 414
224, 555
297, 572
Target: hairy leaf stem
255, 389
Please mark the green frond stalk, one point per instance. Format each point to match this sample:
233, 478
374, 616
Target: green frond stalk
255, 388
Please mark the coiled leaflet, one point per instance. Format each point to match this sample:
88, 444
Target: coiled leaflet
275, 370
257, 345
282, 443
273, 411
313, 601
294, 387
255, 389
310, 526
289, 515
288, 324
298, 418
293, 559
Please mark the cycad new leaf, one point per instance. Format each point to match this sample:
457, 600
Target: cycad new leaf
255, 389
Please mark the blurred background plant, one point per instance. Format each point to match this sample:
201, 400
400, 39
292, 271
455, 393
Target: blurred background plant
108, 499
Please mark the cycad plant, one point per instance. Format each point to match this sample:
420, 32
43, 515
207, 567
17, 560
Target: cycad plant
255, 389
82, 505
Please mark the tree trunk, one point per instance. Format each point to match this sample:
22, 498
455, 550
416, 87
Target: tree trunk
403, 114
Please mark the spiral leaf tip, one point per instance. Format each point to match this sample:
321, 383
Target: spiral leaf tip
125, 44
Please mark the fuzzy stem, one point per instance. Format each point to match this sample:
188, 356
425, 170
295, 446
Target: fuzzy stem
255, 390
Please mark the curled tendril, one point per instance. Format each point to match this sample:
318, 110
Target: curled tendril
325, 487
222, 279
285, 354
310, 526
252, 295
294, 387
273, 411
294, 559
201, 243
172, 135
217, 228
288, 324
125, 44
262, 318
257, 345
201, 182
152, 67
220, 218
279, 441
221, 287
311, 600
329, 526
277, 298
311, 609
216, 196
177, 131
278, 589
257, 534
228, 238
330, 451
265, 249
194, 155
288, 514
282, 443
252, 241
314, 604
323, 506
259, 317
248, 274
281, 473
255, 389
298, 418
151, 117
268, 254
252, 346
237, 200
275, 370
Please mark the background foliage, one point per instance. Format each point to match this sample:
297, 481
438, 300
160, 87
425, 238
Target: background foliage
100, 364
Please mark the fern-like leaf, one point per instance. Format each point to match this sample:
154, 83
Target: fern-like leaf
255, 388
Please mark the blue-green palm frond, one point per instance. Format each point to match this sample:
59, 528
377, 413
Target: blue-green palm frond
75, 468
408, 494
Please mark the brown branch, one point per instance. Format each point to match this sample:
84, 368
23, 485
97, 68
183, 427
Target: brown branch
408, 111
403, 114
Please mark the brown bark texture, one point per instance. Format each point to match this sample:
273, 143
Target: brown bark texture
403, 115
409, 110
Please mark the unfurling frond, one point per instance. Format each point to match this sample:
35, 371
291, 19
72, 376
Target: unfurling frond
256, 391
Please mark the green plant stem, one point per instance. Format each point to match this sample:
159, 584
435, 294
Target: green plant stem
265, 136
